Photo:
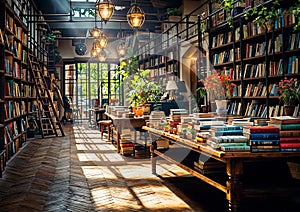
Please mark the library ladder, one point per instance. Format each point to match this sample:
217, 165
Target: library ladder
48, 119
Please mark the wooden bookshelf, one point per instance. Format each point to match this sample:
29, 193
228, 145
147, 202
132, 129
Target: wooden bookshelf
16, 87
257, 58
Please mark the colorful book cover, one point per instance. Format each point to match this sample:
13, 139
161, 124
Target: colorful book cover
262, 136
289, 133
286, 126
285, 120
289, 139
290, 145
260, 129
264, 142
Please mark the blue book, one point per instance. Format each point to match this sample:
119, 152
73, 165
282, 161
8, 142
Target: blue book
261, 136
227, 132
264, 142
290, 149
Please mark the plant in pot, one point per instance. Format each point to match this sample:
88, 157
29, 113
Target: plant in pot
220, 89
190, 133
289, 91
139, 88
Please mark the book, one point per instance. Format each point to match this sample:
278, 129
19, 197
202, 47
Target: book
262, 136
234, 148
289, 133
290, 145
290, 149
266, 150
289, 139
285, 120
226, 128
229, 139
260, 129
286, 126
264, 142
226, 132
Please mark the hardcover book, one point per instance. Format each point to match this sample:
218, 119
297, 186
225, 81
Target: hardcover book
262, 136
285, 120
260, 129
286, 126
264, 142
290, 139
289, 133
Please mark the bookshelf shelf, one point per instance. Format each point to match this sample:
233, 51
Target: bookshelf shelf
261, 57
15, 89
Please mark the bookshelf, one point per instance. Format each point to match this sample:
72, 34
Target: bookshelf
17, 91
256, 57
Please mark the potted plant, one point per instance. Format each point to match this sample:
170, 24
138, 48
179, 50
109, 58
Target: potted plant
289, 91
219, 88
139, 88
190, 133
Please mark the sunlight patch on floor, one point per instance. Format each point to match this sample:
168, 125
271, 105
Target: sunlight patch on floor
94, 147
88, 157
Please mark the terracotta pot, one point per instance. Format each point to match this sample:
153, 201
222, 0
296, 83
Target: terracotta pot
289, 110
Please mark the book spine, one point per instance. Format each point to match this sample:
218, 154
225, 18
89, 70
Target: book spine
263, 136
265, 150
290, 150
264, 142
290, 145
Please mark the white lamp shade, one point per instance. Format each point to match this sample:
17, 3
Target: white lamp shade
171, 85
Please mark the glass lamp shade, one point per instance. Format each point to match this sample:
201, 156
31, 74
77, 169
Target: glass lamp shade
102, 55
94, 52
102, 41
135, 16
95, 32
121, 49
104, 9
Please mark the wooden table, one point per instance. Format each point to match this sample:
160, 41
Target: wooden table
120, 123
233, 187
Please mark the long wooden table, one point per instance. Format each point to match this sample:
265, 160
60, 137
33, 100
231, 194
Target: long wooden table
233, 188
121, 123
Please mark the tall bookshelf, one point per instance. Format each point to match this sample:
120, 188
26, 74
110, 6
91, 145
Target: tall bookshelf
17, 91
256, 57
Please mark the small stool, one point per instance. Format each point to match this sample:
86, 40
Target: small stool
102, 125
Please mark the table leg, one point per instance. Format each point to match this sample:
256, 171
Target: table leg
234, 169
153, 147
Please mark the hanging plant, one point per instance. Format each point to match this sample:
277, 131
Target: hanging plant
265, 16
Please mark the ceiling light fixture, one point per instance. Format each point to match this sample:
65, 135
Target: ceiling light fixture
95, 32
122, 49
102, 41
102, 55
104, 9
135, 16
95, 51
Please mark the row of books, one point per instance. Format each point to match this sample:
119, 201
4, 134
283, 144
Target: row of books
293, 41
14, 129
223, 57
255, 70
293, 65
221, 39
254, 50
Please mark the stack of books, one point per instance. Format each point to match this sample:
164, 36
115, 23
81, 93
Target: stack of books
228, 138
262, 138
126, 145
207, 165
289, 132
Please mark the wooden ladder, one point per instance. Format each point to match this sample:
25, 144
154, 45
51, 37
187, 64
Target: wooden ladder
48, 119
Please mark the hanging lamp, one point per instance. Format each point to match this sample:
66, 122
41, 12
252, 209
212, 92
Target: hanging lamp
104, 9
102, 55
121, 49
95, 32
95, 51
135, 16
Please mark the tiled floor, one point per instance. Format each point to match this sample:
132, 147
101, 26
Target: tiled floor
81, 172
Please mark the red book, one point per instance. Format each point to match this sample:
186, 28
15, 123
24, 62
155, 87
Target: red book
127, 145
260, 129
290, 140
285, 120
290, 145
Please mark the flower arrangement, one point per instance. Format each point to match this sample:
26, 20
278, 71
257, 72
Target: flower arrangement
289, 90
219, 86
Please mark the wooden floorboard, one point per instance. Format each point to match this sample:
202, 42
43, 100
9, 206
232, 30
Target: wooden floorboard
81, 172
